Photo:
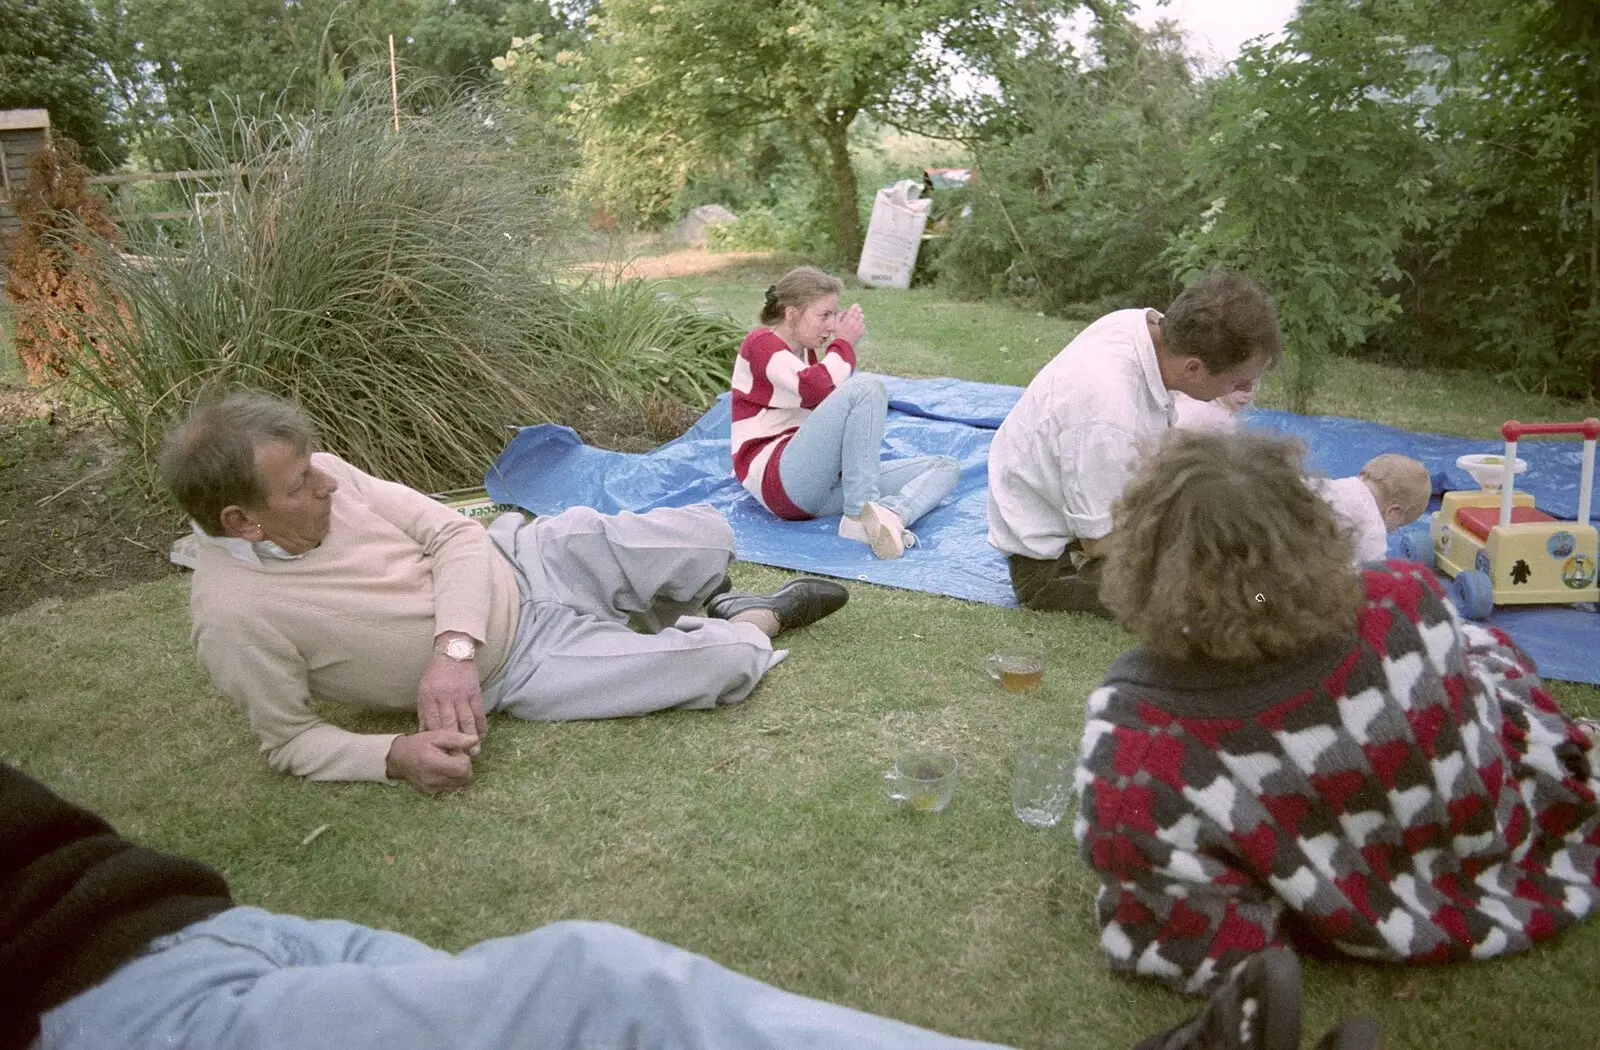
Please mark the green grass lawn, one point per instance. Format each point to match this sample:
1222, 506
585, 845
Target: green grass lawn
759, 835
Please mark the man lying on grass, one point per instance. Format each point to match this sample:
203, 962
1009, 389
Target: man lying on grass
1301, 746
316, 580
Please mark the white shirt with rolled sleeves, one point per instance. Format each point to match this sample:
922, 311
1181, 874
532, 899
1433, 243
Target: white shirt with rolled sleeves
1355, 506
1063, 455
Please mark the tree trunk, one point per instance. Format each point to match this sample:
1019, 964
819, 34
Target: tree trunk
842, 179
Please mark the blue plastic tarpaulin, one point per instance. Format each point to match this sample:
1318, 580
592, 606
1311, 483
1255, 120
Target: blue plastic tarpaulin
546, 469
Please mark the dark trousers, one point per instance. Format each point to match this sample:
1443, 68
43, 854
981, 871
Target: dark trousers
1057, 585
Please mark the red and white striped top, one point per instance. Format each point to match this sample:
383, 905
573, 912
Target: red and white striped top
774, 390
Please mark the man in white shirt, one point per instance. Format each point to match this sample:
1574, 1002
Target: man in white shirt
1061, 458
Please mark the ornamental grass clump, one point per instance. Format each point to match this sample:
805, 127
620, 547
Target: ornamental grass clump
641, 340
400, 285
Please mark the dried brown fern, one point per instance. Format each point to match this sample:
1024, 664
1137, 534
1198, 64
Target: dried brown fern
56, 297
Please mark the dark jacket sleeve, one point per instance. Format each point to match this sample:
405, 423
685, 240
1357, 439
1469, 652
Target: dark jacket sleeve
77, 901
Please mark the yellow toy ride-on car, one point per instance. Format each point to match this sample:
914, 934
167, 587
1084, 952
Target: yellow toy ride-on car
1499, 549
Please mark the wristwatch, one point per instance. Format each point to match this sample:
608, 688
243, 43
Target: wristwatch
459, 649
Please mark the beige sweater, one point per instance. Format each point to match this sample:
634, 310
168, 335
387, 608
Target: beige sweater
351, 621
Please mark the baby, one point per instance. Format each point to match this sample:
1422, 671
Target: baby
1391, 491
1218, 416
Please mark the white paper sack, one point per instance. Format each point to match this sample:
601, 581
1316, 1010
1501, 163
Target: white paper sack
893, 236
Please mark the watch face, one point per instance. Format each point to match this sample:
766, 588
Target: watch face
459, 649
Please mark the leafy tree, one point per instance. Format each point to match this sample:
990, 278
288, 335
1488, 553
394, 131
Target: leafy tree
1316, 167
458, 39
1509, 276
49, 60
210, 60
673, 82
1081, 177
258, 55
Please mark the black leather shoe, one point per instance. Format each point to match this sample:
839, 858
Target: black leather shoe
1257, 1008
798, 603
723, 587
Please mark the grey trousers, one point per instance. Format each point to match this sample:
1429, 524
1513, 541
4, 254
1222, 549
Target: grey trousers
584, 577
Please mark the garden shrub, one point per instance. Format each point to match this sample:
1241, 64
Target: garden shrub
1081, 185
789, 217
1507, 277
1316, 168
52, 281
401, 287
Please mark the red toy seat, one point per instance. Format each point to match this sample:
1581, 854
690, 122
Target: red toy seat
1479, 520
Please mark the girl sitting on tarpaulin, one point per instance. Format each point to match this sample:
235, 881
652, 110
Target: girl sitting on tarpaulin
807, 430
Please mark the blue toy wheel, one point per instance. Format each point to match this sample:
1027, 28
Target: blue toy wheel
1473, 594
1417, 546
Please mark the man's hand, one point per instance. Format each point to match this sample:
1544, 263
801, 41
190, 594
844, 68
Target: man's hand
852, 325
431, 761
449, 697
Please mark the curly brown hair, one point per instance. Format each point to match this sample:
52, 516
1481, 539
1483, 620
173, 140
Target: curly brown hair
1219, 551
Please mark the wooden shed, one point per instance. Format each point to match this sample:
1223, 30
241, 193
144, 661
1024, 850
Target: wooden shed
23, 132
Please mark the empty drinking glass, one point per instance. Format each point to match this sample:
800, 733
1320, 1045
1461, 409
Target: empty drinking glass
1043, 790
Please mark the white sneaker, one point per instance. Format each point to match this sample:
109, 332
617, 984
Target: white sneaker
885, 531
856, 529
852, 529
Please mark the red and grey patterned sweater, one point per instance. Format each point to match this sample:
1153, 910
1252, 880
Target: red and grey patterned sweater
774, 390
1411, 795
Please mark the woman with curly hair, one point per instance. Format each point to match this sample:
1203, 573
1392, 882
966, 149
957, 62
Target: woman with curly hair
1300, 746
807, 430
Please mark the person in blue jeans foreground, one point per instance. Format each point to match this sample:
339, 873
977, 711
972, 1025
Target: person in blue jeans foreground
807, 429
104, 943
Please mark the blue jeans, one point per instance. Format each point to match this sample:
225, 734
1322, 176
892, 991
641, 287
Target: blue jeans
831, 464
247, 978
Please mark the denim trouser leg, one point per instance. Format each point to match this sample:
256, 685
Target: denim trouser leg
251, 980
837, 448
831, 464
912, 487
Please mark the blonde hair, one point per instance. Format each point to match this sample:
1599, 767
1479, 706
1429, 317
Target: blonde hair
1400, 480
799, 288
1219, 551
